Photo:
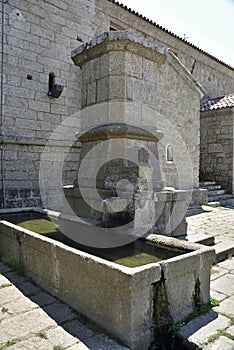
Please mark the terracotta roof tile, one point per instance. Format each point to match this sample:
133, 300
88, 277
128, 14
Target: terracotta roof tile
169, 32
217, 103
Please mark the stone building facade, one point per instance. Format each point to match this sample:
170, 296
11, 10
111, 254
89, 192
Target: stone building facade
39, 36
217, 147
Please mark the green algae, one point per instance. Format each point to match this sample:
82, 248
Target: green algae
135, 254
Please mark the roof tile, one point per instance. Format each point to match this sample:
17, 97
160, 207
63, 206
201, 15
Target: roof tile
226, 101
169, 32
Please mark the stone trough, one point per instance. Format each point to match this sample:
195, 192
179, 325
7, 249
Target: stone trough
131, 304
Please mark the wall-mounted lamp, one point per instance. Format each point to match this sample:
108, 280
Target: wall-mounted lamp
55, 90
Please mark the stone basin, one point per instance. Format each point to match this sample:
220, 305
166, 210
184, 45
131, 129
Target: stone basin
132, 304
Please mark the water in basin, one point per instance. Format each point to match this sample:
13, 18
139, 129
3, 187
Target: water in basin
134, 254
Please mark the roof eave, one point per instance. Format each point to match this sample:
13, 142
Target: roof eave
185, 74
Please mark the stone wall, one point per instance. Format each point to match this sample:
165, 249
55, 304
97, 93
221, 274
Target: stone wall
215, 77
38, 39
217, 147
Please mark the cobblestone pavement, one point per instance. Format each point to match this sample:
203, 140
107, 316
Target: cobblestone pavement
31, 319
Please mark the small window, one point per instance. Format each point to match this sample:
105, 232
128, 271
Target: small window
169, 153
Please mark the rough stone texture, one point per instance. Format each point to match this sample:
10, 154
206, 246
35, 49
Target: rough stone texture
200, 329
34, 327
107, 61
88, 283
223, 343
217, 147
39, 37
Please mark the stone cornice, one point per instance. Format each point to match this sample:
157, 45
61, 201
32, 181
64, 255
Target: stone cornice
120, 130
119, 41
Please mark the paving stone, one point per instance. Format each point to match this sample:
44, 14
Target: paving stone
217, 272
230, 330
59, 336
227, 264
3, 280
8, 294
79, 346
223, 343
28, 288
18, 327
218, 296
77, 329
224, 284
226, 307
20, 305
35, 343
15, 278
101, 342
4, 268
43, 299
200, 329
60, 312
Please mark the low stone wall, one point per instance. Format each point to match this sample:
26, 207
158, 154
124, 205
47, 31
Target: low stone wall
122, 300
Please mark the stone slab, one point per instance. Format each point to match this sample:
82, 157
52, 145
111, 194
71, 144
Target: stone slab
227, 264
218, 296
223, 343
28, 288
18, 327
230, 330
3, 280
226, 307
8, 294
101, 342
79, 346
217, 272
60, 312
43, 298
79, 330
59, 336
3, 268
224, 249
224, 284
200, 329
35, 343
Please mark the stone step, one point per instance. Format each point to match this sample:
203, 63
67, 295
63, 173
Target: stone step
198, 238
224, 249
212, 193
213, 187
219, 198
207, 183
214, 204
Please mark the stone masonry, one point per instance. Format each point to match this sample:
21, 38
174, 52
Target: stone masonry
38, 39
217, 133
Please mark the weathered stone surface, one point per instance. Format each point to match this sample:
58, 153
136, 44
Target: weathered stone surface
200, 329
77, 329
223, 343
227, 306
42, 299
102, 342
59, 312
60, 336
34, 321
9, 294
224, 284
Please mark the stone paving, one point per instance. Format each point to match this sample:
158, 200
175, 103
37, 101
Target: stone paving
215, 330
31, 319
